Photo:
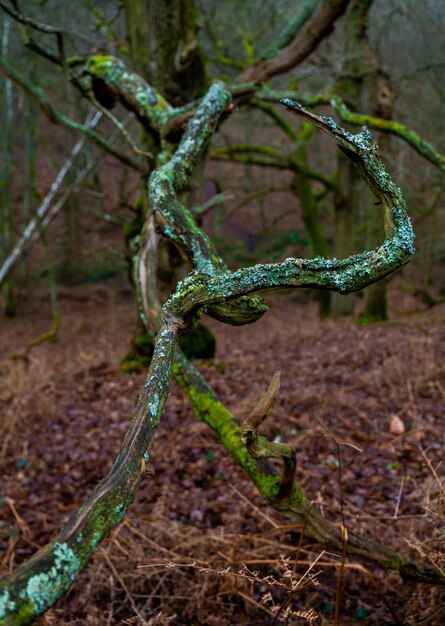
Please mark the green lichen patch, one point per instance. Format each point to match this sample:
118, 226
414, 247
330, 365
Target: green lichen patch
6, 604
43, 589
134, 92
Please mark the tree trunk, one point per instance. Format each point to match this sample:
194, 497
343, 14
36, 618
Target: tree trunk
302, 186
165, 52
6, 212
164, 48
382, 96
350, 87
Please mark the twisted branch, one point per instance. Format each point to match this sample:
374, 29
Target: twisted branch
39, 582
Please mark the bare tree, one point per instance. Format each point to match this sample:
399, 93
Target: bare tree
233, 297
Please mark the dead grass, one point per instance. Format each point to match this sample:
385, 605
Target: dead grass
339, 383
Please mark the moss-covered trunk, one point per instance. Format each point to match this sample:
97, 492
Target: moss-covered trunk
164, 51
382, 100
350, 86
164, 48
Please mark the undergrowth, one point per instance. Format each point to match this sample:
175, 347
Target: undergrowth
198, 546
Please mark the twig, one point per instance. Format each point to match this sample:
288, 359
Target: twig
41, 26
259, 511
344, 530
111, 609
59, 118
121, 129
25, 529
433, 471
125, 588
399, 498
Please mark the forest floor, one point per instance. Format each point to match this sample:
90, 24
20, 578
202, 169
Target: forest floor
347, 393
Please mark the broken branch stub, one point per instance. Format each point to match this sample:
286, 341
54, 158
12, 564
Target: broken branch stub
264, 405
261, 448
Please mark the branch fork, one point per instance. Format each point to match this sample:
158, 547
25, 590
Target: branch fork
231, 297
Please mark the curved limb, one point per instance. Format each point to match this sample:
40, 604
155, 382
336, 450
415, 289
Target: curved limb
132, 90
413, 139
39, 582
36, 584
306, 40
345, 275
177, 223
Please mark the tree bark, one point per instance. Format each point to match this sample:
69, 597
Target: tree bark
305, 42
39, 582
350, 86
164, 47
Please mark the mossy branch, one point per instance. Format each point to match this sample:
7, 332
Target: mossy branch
38, 583
291, 500
422, 147
413, 139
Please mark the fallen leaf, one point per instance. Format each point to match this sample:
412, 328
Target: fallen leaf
396, 425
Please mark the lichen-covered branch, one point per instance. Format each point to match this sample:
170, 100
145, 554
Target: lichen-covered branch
112, 80
173, 218
413, 139
243, 443
36, 584
345, 275
176, 222
424, 148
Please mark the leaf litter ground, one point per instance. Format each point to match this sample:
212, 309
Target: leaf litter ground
378, 391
